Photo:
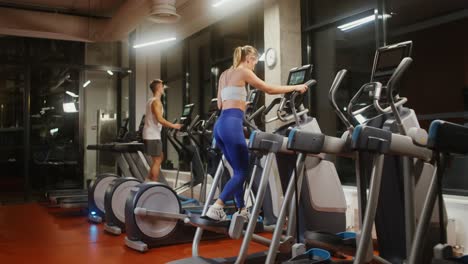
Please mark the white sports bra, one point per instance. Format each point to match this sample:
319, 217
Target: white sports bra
233, 93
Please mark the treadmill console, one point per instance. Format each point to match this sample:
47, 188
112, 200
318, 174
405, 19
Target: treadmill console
387, 60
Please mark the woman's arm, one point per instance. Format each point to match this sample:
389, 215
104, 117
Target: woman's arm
253, 80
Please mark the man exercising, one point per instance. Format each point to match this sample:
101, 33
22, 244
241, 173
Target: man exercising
154, 121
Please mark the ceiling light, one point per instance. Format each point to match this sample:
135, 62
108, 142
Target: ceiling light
69, 107
110, 72
220, 2
86, 83
71, 94
153, 43
360, 22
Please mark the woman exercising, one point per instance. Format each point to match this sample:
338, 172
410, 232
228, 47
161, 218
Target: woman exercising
228, 130
154, 121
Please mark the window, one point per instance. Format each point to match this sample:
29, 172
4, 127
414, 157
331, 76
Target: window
437, 84
331, 49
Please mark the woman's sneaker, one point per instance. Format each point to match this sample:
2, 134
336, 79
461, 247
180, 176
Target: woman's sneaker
245, 213
216, 212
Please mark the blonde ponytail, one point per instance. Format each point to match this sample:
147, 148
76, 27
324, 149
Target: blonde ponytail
237, 57
240, 54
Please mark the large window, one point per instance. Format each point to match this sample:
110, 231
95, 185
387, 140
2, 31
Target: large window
330, 49
45, 97
436, 85
12, 87
193, 67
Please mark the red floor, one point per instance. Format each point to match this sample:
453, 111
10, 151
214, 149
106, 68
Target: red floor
31, 233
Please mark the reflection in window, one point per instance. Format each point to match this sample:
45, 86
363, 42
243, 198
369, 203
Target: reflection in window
436, 85
54, 128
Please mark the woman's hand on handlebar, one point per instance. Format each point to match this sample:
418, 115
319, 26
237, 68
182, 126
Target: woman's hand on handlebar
301, 88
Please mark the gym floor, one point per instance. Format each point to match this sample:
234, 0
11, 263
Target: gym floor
32, 233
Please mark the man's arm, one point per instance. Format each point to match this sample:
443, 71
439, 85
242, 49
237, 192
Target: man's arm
157, 111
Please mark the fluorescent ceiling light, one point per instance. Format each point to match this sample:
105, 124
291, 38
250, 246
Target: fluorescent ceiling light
359, 22
220, 2
53, 131
262, 57
153, 43
69, 108
110, 72
86, 83
71, 94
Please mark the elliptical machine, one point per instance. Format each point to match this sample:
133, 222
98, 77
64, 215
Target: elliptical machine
119, 189
266, 145
155, 213
133, 166
387, 143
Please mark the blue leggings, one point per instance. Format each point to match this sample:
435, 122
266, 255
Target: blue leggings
229, 135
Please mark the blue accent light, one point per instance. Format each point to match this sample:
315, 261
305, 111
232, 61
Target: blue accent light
433, 128
291, 135
320, 253
356, 133
251, 138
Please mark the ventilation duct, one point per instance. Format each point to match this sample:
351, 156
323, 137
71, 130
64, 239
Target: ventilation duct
163, 11
127, 17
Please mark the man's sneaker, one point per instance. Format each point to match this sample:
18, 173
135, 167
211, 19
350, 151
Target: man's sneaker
216, 212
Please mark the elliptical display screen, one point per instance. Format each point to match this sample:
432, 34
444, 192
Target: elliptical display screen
297, 77
213, 105
387, 60
252, 97
187, 110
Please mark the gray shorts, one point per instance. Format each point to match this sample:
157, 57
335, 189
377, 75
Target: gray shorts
153, 147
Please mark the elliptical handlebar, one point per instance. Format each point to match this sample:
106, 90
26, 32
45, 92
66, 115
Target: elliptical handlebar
260, 110
267, 110
374, 86
332, 98
392, 83
207, 123
192, 125
283, 102
292, 102
248, 119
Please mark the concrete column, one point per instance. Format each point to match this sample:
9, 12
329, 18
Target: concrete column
282, 31
99, 94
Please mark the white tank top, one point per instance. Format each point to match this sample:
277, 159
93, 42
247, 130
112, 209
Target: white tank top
152, 128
